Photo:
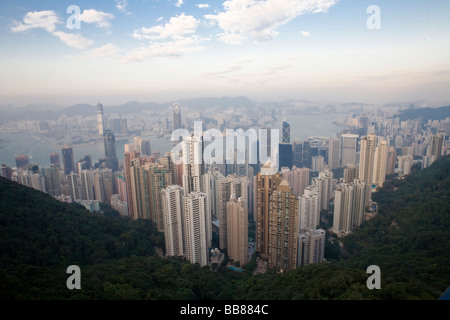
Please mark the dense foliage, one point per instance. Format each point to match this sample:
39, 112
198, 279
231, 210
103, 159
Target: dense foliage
409, 239
425, 113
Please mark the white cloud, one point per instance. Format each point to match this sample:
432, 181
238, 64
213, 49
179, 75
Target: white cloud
159, 19
202, 5
46, 20
73, 39
176, 28
305, 33
259, 20
175, 48
121, 5
100, 18
179, 3
106, 51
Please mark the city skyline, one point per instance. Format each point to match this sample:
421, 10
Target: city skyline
169, 50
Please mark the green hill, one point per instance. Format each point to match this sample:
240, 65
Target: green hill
409, 240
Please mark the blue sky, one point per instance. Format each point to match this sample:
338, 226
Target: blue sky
164, 50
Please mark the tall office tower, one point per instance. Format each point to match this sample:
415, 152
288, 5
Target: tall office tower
228, 186
349, 206
283, 228
54, 160
318, 164
121, 187
311, 247
109, 142
366, 159
52, 181
198, 230
68, 162
435, 146
334, 153
298, 153
380, 163
87, 185
286, 133
298, 179
351, 173
129, 156
392, 157
100, 119
348, 148
265, 183
74, 186
309, 209
176, 120
286, 156
193, 165
237, 233
404, 164
325, 185
172, 204
306, 154
22, 161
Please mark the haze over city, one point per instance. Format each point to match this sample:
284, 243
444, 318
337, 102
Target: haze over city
321, 50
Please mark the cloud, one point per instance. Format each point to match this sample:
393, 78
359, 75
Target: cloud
202, 5
259, 20
175, 48
121, 5
46, 20
179, 3
159, 19
106, 51
176, 28
100, 18
73, 39
305, 33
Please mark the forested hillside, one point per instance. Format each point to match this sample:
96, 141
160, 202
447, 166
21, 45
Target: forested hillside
40, 237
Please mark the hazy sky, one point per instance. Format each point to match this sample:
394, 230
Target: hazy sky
164, 50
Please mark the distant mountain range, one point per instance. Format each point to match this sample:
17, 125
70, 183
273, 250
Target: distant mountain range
53, 111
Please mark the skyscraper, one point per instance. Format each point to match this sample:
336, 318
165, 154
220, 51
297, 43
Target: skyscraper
100, 119
237, 229
68, 162
193, 165
309, 209
325, 186
298, 179
286, 133
435, 146
265, 183
283, 228
311, 247
22, 161
286, 156
87, 185
380, 163
172, 203
351, 172
298, 153
52, 181
334, 153
349, 145
228, 186
176, 120
366, 159
54, 160
109, 142
349, 206
74, 186
392, 157
198, 229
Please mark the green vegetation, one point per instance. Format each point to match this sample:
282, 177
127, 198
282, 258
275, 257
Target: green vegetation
425, 113
409, 239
